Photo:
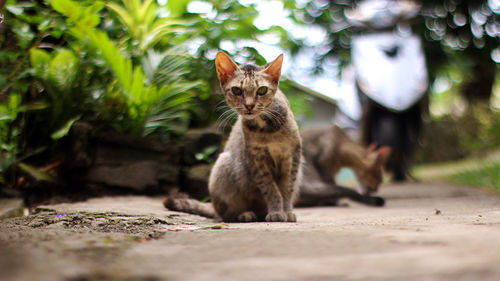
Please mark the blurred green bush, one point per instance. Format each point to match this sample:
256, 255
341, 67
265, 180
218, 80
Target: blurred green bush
450, 137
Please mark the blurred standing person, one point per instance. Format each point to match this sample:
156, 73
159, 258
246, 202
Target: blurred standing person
387, 94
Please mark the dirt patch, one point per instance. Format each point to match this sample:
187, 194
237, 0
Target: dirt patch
145, 227
111, 276
90, 240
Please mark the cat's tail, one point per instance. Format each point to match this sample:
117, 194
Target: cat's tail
329, 195
189, 205
372, 200
369, 200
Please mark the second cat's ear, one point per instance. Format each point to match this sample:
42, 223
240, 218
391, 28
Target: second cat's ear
383, 154
372, 147
273, 69
225, 67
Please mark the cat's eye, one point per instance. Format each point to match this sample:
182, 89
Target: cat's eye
237, 91
262, 91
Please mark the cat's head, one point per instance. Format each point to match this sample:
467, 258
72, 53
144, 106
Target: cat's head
371, 177
248, 89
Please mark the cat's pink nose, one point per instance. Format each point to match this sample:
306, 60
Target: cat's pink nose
249, 107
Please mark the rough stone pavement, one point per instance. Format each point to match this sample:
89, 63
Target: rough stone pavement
426, 231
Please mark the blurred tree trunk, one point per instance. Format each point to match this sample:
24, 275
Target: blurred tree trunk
479, 87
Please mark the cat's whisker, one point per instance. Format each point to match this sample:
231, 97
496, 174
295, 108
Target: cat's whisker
273, 116
222, 107
224, 119
222, 102
226, 113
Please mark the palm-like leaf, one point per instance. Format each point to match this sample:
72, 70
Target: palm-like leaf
155, 105
158, 98
143, 22
175, 98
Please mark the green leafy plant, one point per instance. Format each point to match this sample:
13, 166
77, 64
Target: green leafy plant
10, 130
58, 73
145, 27
156, 101
150, 107
8, 114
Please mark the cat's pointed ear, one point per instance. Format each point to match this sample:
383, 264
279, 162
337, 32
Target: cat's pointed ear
372, 147
383, 154
225, 67
273, 69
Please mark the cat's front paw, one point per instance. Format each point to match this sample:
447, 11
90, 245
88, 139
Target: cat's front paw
276, 217
247, 217
290, 217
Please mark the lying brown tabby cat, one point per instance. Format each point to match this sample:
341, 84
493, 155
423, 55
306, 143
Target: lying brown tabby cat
328, 149
256, 177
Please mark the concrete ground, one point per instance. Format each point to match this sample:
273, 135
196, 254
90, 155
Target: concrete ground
426, 231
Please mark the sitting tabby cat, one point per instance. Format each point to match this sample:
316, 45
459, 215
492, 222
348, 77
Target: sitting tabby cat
256, 177
328, 149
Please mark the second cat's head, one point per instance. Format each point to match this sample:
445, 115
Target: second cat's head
248, 89
371, 176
